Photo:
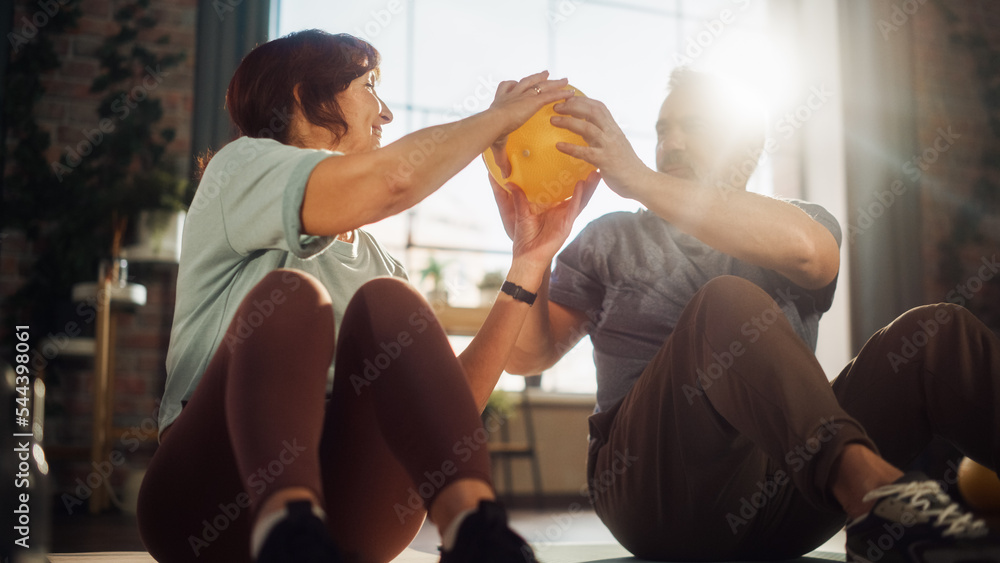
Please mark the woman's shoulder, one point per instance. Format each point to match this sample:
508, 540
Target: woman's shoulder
252, 156
249, 148
369, 241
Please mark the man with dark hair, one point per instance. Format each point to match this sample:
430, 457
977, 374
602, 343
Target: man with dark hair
718, 436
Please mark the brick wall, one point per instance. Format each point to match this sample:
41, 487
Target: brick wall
949, 96
67, 111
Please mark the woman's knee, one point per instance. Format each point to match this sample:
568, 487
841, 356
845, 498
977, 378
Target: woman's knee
387, 288
390, 298
289, 294
293, 287
285, 306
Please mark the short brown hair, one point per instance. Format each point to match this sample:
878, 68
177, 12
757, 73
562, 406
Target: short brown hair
321, 64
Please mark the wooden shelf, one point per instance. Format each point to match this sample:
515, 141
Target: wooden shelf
130, 295
461, 321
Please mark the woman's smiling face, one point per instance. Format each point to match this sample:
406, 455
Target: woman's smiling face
365, 114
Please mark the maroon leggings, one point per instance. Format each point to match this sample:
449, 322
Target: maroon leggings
400, 425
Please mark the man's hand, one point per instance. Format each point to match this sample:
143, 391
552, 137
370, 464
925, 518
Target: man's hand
607, 149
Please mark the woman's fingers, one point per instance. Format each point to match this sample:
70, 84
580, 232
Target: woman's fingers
539, 84
548, 91
584, 191
531, 79
520, 200
587, 188
506, 86
505, 205
547, 85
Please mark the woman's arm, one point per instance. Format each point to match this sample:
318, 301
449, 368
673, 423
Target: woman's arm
537, 238
346, 192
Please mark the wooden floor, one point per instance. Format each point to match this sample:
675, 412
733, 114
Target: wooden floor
84, 532
118, 532
548, 529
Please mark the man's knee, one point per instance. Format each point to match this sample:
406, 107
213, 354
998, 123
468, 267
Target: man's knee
731, 290
734, 301
931, 320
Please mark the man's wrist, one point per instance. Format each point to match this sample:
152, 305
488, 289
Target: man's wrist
643, 181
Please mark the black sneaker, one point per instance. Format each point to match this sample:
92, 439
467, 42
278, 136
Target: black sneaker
484, 537
914, 521
301, 537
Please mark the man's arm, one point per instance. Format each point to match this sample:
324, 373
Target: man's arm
761, 230
549, 331
757, 229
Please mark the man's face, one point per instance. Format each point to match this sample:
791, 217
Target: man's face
694, 141
685, 137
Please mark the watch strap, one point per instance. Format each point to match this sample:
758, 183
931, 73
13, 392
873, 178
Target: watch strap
518, 292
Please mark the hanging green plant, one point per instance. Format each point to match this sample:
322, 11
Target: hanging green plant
73, 208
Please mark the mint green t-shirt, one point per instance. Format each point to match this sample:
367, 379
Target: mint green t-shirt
244, 222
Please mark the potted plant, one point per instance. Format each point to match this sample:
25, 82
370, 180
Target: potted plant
76, 211
75, 208
489, 286
435, 271
499, 408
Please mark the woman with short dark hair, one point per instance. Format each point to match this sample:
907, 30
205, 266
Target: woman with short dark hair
265, 455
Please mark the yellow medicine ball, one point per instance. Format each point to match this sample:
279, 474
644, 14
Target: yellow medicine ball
546, 175
980, 486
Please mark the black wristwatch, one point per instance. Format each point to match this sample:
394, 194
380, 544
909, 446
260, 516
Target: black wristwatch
518, 292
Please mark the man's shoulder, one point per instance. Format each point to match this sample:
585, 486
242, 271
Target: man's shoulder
809, 207
819, 214
618, 221
620, 237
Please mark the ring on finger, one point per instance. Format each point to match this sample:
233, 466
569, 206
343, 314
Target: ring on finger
536, 89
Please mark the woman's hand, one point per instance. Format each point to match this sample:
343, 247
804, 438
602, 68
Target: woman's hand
519, 100
607, 148
537, 237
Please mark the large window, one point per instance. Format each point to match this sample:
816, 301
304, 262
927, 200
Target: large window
442, 60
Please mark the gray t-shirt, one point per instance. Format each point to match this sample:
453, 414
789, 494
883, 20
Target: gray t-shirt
243, 223
633, 274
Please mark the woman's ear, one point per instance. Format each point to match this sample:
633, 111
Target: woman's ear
299, 126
